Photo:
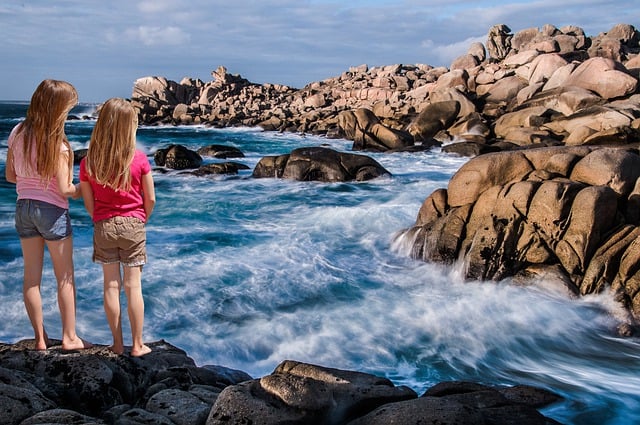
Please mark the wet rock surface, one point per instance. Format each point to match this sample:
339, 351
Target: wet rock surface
95, 386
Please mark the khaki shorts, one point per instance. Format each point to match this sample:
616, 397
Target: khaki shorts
120, 240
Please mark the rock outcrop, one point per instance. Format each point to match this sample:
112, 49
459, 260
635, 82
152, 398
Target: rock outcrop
95, 386
572, 210
547, 86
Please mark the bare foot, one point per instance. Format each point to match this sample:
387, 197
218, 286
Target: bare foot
140, 351
117, 349
76, 344
42, 344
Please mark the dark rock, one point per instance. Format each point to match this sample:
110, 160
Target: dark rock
95, 385
220, 151
469, 148
424, 410
166, 387
181, 407
78, 154
301, 393
139, 416
62, 417
320, 164
177, 157
219, 168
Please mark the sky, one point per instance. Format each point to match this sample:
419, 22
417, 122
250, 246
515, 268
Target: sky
102, 47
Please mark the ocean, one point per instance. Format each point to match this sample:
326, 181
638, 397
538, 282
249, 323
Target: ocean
246, 273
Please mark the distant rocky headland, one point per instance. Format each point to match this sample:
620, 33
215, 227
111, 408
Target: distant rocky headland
550, 117
569, 82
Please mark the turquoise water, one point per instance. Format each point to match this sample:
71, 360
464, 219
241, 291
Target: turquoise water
248, 272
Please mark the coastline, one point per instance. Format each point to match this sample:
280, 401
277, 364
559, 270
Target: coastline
530, 108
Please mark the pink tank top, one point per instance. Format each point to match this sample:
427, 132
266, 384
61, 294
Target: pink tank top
28, 182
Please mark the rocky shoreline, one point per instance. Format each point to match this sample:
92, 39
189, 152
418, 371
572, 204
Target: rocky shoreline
551, 119
550, 116
558, 80
166, 387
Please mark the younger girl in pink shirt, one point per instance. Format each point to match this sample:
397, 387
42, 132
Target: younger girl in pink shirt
118, 192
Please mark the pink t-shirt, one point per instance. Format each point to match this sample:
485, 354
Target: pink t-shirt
110, 203
28, 183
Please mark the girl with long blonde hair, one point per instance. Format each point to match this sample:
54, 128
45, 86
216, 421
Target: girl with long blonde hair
40, 162
118, 192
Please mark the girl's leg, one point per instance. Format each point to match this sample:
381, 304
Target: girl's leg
61, 252
135, 308
33, 254
112, 287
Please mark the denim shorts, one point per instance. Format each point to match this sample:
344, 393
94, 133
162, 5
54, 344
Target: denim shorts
120, 240
39, 218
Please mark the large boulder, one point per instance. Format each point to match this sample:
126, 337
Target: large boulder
177, 157
499, 41
320, 164
368, 133
465, 403
434, 118
485, 171
560, 208
606, 77
301, 393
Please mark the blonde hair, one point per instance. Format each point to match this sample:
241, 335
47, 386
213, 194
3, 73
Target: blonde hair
44, 125
112, 145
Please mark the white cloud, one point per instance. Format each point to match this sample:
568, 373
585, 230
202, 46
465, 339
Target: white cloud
445, 54
156, 36
154, 6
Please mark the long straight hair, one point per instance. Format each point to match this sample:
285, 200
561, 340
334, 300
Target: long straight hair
43, 127
112, 145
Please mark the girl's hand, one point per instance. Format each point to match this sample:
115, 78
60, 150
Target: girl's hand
78, 193
64, 176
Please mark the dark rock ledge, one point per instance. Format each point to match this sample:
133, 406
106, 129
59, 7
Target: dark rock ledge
95, 386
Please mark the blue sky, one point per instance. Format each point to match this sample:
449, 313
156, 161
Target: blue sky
102, 47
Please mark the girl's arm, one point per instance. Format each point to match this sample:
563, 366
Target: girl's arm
148, 194
9, 170
64, 177
87, 196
